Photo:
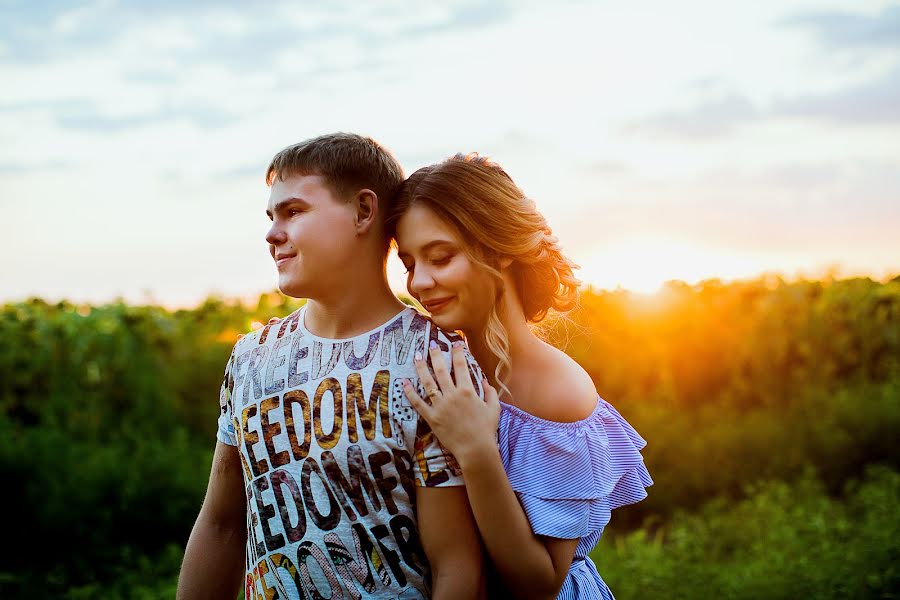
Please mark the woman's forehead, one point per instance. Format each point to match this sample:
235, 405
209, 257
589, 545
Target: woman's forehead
420, 226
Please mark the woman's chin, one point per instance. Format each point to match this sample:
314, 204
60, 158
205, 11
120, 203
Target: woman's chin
446, 321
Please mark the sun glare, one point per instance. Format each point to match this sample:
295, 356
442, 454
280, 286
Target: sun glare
644, 264
641, 265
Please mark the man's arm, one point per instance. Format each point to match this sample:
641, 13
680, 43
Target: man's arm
451, 542
213, 565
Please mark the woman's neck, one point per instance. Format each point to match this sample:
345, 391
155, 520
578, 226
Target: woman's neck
519, 334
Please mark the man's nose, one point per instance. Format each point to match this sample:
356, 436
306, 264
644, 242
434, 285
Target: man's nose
275, 235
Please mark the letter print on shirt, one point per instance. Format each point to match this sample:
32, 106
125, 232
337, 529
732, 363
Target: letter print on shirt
332, 452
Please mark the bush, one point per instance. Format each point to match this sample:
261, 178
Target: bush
785, 540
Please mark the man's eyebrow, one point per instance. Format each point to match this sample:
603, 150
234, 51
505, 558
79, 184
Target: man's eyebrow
285, 202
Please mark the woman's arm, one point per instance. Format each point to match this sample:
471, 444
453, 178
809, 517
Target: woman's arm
531, 566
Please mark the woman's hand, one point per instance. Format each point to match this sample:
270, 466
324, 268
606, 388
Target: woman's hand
464, 423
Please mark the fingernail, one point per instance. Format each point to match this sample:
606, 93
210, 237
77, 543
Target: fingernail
418, 356
433, 345
457, 344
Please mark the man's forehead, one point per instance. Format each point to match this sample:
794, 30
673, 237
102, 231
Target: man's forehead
295, 181
298, 186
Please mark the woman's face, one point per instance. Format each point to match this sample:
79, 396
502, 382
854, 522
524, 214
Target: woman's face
455, 290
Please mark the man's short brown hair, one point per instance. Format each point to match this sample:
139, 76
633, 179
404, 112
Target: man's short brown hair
348, 162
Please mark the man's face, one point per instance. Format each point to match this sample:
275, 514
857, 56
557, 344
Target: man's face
312, 235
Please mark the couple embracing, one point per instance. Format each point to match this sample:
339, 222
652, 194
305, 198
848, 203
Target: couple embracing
366, 450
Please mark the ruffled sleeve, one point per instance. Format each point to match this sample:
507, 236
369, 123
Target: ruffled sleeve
570, 476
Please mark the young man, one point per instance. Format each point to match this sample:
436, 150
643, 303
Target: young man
322, 469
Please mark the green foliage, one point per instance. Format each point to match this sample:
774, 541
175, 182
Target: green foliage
785, 540
715, 449
108, 416
746, 344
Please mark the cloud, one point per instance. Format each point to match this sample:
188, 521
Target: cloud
202, 117
84, 115
229, 33
849, 30
870, 96
46, 31
463, 16
825, 207
713, 118
18, 168
875, 101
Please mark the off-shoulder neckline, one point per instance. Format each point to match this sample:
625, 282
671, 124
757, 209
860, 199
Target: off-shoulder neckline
527, 416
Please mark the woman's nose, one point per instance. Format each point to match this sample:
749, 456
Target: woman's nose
421, 281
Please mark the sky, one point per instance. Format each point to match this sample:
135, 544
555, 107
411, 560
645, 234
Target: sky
661, 140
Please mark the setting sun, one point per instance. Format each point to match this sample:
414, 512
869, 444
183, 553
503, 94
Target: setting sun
644, 264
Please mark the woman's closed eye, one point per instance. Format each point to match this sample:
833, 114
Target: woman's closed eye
438, 260
441, 260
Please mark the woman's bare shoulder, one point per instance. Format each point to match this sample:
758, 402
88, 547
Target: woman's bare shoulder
564, 390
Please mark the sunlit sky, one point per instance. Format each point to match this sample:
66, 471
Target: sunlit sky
662, 140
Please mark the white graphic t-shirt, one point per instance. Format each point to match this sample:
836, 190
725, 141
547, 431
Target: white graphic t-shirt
332, 452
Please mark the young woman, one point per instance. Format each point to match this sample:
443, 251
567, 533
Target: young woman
547, 460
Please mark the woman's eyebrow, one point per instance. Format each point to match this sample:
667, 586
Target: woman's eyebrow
429, 246
436, 243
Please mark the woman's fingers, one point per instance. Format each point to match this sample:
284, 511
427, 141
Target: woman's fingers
461, 366
413, 396
491, 398
432, 390
440, 368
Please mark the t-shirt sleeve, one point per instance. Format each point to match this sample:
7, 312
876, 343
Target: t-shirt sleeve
226, 433
434, 466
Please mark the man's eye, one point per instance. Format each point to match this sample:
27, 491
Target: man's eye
294, 211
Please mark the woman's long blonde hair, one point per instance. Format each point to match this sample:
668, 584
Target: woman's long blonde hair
489, 211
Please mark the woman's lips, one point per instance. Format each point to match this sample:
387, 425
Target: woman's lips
434, 306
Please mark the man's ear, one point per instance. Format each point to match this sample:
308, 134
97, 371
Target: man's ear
366, 204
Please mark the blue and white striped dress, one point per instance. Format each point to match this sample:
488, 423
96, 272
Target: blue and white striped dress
569, 476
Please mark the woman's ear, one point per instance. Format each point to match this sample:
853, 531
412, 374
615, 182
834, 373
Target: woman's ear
505, 261
366, 204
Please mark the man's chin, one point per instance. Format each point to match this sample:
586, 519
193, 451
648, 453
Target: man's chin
294, 290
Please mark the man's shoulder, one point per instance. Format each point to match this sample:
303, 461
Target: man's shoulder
274, 329
448, 336
444, 337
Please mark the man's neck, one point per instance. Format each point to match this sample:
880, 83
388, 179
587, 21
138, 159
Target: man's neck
352, 313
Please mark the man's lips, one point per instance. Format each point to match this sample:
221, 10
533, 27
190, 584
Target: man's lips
280, 259
436, 304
